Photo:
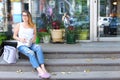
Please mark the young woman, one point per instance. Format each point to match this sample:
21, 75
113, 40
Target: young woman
25, 34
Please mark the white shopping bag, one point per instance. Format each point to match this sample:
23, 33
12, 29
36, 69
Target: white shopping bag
10, 54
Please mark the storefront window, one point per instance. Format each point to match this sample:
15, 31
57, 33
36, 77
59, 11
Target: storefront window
78, 10
16, 12
10, 13
1, 16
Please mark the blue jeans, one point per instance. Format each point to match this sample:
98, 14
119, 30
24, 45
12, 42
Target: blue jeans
34, 53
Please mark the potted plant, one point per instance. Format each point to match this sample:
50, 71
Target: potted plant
57, 31
84, 34
70, 35
45, 35
38, 36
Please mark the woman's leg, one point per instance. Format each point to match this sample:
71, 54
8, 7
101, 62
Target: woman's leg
31, 55
43, 68
39, 52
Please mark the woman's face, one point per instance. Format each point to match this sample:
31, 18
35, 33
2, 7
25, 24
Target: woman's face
25, 17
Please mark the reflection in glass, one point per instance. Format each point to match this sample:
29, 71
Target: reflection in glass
78, 10
108, 18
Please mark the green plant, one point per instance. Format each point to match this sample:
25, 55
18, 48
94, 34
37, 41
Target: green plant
70, 30
62, 25
2, 37
42, 34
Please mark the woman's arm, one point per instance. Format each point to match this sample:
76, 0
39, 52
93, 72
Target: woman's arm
34, 37
15, 34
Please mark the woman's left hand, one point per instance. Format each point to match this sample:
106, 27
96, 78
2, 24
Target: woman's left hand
33, 40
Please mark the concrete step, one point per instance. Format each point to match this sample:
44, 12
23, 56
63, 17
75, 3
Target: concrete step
78, 55
64, 69
84, 61
65, 65
97, 75
79, 50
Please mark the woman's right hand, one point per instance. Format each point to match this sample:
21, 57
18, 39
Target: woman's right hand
23, 40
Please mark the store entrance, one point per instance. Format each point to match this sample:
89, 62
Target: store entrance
108, 27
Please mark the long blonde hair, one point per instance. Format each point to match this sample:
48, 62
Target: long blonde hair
30, 22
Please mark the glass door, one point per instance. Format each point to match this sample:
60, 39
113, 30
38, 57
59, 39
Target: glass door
108, 20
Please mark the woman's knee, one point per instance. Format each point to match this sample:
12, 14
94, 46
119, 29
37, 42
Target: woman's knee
31, 53
38, 47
